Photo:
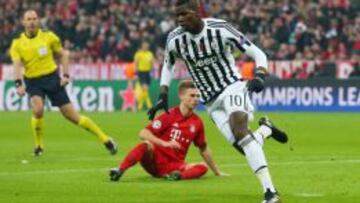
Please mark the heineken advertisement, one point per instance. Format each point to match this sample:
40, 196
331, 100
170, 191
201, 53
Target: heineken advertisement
103, 96
325, 95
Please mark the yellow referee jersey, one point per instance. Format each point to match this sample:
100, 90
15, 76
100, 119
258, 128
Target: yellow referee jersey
144, 60
36, 54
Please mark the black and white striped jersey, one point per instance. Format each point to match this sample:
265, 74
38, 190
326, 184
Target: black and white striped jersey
208, 56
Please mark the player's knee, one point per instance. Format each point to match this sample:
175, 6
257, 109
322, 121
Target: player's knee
70, 114
38, 110
149, 146
69, 117
239, 124
203, 169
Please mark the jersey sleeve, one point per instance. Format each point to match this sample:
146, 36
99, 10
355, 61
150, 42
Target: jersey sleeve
55, 42
239, 40
159, 124
168, 64
14, 52
200, 140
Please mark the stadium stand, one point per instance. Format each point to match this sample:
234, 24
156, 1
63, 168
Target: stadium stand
111, 31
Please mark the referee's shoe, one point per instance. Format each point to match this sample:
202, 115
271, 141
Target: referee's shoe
111, 146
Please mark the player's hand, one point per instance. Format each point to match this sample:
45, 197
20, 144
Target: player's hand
222, 174
257, 83
172, 144
162, 103
65, 80
20, 90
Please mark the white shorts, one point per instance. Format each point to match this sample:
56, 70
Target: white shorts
234, 98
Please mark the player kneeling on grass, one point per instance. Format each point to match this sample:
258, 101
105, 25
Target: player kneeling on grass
166, 142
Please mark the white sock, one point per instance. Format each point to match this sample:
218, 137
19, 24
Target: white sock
265, 179
262, 133
257, 161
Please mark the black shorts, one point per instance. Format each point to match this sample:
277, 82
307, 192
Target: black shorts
144, 77
48, 85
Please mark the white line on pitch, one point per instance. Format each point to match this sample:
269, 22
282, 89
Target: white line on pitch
351, 161
57, 171
308, 195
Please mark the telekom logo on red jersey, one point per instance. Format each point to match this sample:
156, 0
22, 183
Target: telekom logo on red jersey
175, 134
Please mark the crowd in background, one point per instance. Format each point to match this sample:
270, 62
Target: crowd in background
112, 30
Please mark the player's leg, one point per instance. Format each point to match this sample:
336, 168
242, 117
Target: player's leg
268, 129
146, 90
36, 93
231, 114
85, 122
253, 151
147, 96
58, 97
143, 153
188, 171
37, 123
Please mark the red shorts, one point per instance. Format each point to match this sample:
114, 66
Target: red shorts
158, 164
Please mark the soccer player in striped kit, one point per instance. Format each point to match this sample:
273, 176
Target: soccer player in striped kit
206, 47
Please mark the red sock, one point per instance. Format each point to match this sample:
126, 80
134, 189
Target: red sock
196, 171
134, 156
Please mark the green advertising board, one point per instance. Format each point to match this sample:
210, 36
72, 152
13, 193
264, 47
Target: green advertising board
101, 96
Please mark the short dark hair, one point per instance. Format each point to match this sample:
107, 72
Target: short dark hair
184, 85
191, 3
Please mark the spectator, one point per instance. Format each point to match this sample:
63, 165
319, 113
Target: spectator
115, 29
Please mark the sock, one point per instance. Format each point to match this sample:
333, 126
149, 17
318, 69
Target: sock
147, 99
262, 133
88, 124
37, 126
257, 161
196, 171
133, 157
141, 100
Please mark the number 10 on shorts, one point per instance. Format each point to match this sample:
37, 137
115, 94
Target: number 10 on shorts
239, 101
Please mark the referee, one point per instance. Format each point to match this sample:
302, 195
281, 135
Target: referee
34, 49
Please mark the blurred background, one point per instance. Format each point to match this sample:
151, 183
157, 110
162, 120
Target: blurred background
304, 40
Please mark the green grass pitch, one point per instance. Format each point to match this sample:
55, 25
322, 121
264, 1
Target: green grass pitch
320, 164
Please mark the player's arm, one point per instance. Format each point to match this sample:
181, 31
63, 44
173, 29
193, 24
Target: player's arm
206, 154
20, 89
64, 56
165, 79
146, 134
64, 61
18, 68
158, 127
239, 40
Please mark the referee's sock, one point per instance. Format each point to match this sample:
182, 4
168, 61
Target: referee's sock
86, 123
37, 126
147, 99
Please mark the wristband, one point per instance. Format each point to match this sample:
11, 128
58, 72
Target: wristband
66, 75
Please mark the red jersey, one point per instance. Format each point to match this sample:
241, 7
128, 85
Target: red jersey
184, 130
